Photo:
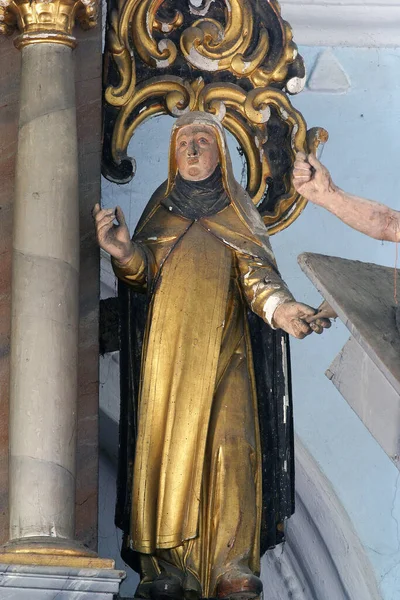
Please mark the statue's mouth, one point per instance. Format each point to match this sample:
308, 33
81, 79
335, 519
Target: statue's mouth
192, 161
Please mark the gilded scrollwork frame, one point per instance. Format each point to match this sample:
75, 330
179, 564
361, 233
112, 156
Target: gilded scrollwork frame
233, 58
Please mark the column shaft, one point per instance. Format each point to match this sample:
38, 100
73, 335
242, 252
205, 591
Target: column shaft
44, 339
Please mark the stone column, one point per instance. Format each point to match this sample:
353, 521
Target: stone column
44, 339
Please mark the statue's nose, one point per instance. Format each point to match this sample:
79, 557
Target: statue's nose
192, 149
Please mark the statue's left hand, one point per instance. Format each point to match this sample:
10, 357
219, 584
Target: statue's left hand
291, 317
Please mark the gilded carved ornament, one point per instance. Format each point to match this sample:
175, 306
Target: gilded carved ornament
233, 58
46, 20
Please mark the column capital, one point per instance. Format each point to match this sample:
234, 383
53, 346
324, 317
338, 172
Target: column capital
41, 21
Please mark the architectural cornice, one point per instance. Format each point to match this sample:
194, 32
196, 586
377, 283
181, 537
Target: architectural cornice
357, 23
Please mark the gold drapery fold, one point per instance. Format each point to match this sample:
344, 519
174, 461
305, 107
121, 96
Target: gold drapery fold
179, 372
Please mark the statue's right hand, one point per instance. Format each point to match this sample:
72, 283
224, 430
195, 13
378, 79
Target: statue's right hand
113, 238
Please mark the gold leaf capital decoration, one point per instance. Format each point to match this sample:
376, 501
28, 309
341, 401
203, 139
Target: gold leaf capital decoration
41, 21
233, 58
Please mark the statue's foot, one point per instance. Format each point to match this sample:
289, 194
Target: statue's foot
192, 587
237, 585
166, 587
142, 591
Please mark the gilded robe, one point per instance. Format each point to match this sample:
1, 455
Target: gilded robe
197, 483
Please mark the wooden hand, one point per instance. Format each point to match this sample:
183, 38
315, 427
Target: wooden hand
312, 180
114, 239
292, 318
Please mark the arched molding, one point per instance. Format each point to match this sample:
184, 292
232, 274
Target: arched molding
323, 557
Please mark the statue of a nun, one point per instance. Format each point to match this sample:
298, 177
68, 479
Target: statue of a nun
206, 454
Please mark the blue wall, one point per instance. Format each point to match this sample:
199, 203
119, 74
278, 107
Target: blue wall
363, 155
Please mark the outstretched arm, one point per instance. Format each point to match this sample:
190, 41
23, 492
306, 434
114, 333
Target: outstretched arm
313, 181
269, 297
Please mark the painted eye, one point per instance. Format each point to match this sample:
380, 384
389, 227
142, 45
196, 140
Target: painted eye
203, 140
182, 144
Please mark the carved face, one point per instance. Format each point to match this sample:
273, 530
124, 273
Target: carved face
196, 152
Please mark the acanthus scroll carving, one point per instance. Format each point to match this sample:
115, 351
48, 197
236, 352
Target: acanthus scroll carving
234, 58
46, 20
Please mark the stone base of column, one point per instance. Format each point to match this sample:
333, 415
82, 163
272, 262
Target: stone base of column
50, 551
19, 582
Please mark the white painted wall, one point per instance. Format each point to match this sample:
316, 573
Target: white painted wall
363, 155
